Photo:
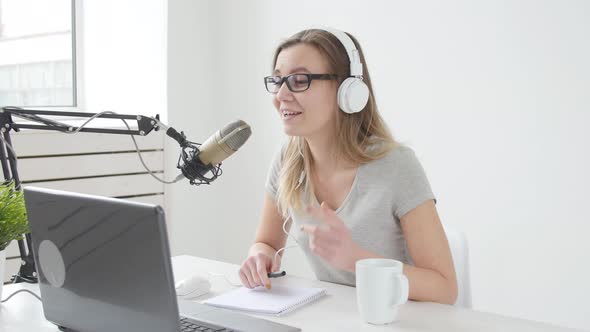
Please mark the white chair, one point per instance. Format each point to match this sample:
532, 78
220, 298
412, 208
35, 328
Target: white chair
460, 252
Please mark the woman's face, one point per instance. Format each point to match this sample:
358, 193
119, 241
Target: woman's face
311, 112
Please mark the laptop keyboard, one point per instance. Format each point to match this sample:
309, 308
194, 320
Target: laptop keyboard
191, 325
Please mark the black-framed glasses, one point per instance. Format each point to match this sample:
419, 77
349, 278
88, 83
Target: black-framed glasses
295, 82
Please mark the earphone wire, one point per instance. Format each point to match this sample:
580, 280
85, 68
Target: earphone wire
224, 277
288, 236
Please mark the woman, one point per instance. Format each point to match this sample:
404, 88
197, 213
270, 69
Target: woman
375, 198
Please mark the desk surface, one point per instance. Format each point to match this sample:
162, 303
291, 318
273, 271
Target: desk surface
335, 312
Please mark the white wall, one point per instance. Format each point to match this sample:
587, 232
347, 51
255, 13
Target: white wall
492, 95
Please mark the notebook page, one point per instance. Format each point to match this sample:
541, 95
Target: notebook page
278, 300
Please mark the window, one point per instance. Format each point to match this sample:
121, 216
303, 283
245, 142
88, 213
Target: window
37, 53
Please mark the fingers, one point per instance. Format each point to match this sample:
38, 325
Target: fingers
328, 236
320, 233
251, 274
319, 250
314, 212
323, 213
262, 270
328, 212
322, 241
244, 279
254, 271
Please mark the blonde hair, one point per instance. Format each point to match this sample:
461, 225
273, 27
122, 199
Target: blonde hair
355, 132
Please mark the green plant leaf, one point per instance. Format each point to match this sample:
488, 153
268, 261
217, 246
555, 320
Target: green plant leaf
13, 215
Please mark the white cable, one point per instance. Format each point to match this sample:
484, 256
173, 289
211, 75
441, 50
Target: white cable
134, 143
224, 277
90, 119
283, 248
178, 178
285, 231
288, 236
18, 291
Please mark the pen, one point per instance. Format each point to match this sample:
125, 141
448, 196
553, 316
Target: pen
276, 274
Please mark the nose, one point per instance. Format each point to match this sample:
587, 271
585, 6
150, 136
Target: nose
284, 93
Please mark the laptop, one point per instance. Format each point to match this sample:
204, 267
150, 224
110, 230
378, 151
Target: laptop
104, 265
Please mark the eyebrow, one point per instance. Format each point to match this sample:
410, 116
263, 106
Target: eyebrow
295, 70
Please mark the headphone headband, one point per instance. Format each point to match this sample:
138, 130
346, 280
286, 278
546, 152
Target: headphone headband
356, 66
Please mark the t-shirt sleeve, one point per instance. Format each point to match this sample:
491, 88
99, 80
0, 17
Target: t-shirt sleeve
412, 185
272, 178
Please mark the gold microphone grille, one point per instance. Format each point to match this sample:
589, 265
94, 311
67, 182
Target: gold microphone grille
239, 130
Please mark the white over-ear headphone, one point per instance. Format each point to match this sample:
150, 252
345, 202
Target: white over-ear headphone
353, 93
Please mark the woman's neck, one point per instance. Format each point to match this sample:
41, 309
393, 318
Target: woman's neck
323, 152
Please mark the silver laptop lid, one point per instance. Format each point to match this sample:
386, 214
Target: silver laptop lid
103, 264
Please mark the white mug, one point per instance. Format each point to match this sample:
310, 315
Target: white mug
381, 287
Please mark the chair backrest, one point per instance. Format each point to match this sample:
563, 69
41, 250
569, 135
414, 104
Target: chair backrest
460, 252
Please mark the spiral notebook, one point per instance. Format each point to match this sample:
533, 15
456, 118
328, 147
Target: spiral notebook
277, 301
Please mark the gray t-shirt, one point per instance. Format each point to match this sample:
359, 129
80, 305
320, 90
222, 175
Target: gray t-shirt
382, 192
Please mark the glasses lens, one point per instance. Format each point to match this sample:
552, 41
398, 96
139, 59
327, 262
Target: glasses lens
273, 83
298, 82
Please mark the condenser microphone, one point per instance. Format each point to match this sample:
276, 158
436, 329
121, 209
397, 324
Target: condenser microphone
196, 162
224, 143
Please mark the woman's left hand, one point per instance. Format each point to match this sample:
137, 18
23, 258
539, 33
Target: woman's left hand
331, 239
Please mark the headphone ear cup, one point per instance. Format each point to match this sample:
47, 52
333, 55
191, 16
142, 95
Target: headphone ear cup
353, 95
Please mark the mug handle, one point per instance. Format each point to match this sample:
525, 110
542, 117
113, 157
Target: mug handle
403, 289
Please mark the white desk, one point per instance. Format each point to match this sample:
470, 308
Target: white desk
335, 312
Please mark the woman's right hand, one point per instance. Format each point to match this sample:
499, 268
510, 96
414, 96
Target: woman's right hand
254, 270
